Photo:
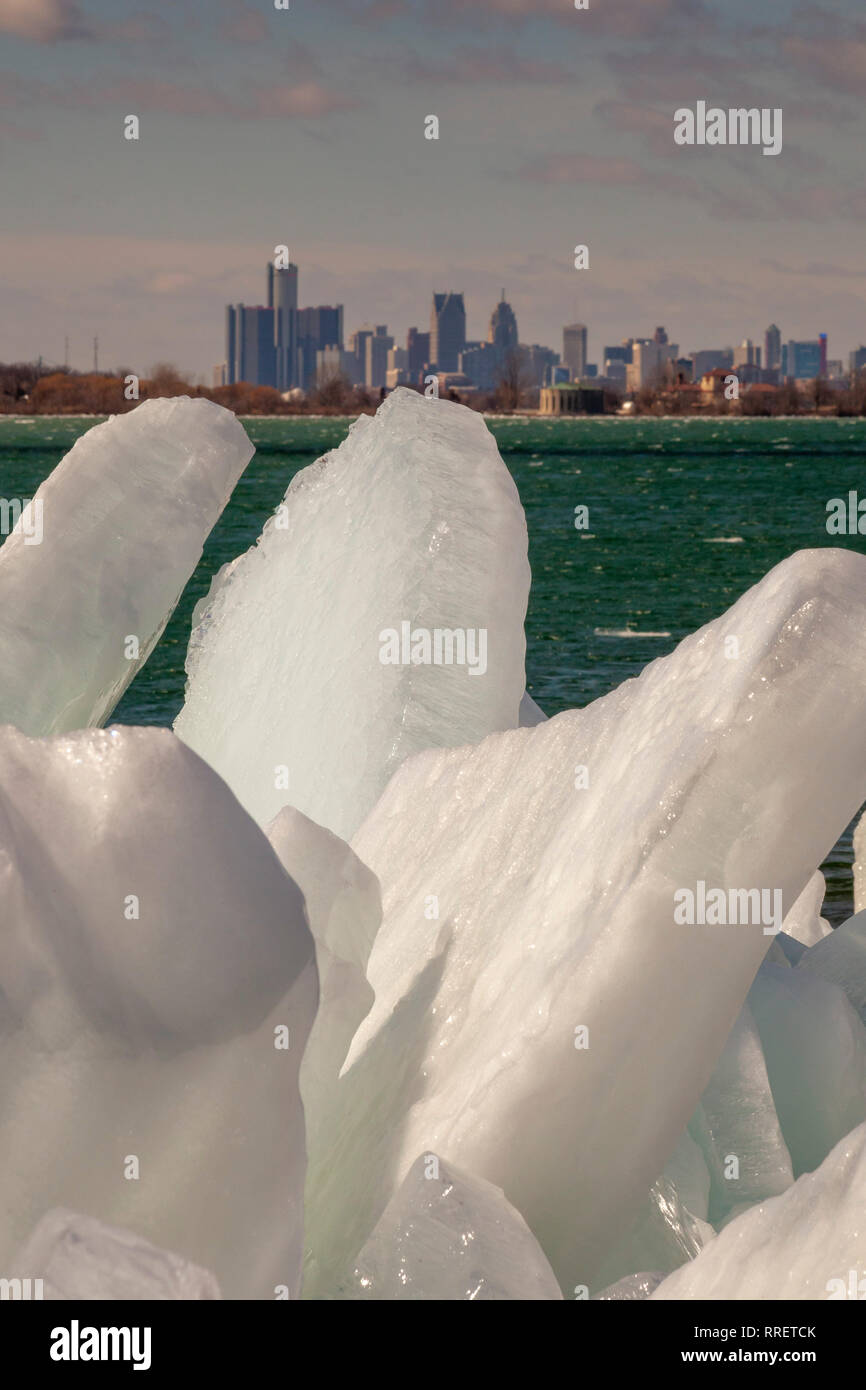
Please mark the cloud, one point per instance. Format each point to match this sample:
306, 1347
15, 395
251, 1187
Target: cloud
43, 21
301, 100
834, 63
482, 65
610, 173
244, 24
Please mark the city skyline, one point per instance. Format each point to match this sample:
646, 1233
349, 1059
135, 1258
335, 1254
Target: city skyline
285, 346
556, 128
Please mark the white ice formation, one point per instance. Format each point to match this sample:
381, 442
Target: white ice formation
155, 959
448, 1236
78, 1256
123, 518
519, 975
412, 526
802, 1244
555, 914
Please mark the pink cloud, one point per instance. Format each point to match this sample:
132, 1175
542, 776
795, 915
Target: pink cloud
43, 21
609, 173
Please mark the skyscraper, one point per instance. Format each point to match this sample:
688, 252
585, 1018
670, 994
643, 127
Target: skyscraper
250, 352
574, 349
319, 327
283, 299
804, 359
502, 333
418, 350
376, 349
773, 347
447, 331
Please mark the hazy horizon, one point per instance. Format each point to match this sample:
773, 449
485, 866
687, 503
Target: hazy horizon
306, 127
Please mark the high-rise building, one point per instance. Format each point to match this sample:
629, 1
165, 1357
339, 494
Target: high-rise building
647, 363
283, 299
804, 359
709, 360
502, 333
319, 327
822, 360
447, 331
376, 349
660, 337
418, 352
482, 364
622, 353
574, 349
250, 352
773, 347
857, 360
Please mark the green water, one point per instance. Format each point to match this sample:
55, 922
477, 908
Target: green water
684, 515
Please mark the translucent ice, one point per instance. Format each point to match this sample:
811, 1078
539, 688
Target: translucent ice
448, 1236
841, 959
344, 908
804, 921
860, 864
815, 1050
124, 517
738, 1126
671, 1225
412, 527
79, 1257
800, 1245
632, 1287
157, 985
533, 987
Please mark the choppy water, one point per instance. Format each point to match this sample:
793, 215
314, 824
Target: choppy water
684, 515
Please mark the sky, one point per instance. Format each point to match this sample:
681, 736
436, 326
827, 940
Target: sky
305, 126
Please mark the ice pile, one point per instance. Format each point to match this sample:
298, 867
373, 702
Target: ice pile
412, 527
123, 519
554, 855
528, 1072
77, 1256
157, 984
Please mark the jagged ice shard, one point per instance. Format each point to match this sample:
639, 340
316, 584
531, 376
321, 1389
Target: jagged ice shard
302, 687
807, 1243
553, 1028
123, 519
157, 986
448, 1236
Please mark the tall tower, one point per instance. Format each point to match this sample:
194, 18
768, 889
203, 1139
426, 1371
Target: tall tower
574, 337
447, 331
502, 333
773, 347
283, 299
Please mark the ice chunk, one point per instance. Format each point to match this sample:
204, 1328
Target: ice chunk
672, 1223
530, 713
157, 985
804, 921
124, 517
815, 1049
79, 1257
841, 959
412, 527
448, 1236
860, 864
632, 1287
744, 1145
344, 907
800, 1245
528, 892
